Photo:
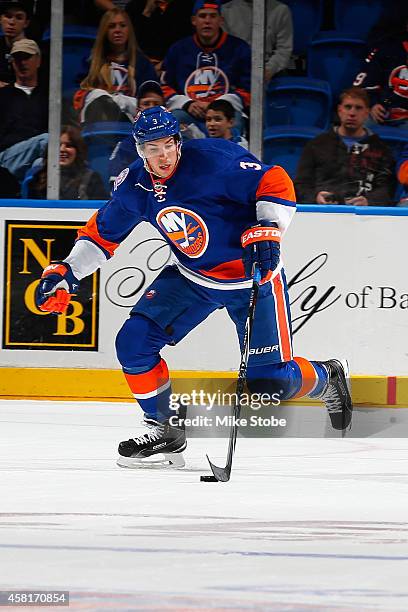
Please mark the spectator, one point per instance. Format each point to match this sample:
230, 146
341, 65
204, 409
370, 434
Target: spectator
108, 92
209, 65
78, 181
385, 76
149, 94
159, 24
23, 111
402, 175
14, 19
219, 121
348, 164
237, 16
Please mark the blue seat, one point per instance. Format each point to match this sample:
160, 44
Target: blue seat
101, 138
307, 18
357, 15
298, 101
77, 46
283, 146
396, 138
336, 58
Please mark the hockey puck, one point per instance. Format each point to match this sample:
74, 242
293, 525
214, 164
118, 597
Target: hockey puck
208, 479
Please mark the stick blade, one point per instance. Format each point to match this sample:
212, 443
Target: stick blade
222, 474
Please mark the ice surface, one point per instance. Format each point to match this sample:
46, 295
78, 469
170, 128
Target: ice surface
303, 525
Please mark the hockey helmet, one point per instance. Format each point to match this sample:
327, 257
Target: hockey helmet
154, 123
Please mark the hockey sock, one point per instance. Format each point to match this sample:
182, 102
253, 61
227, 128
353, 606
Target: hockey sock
152, 390
314, 377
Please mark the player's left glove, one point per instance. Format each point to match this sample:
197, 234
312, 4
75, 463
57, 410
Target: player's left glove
261, 244
57, 285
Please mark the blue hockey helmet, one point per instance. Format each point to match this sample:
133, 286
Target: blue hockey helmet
154, 123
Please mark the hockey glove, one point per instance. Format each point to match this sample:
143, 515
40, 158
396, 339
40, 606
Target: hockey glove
261, 245
57, 284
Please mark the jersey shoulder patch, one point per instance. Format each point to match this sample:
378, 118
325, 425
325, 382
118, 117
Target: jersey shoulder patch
120, 178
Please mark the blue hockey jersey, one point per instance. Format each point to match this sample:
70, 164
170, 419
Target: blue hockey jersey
217, 191
192, 72
385, 76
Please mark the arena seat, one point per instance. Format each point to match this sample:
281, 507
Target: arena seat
298, 101
283, 145
336, 58
77, 45
307, 18
358, 15
101, 138
396, 138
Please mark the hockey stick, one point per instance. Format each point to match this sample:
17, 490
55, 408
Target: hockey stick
223, 473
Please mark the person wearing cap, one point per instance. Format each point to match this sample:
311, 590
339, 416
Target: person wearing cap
23, 111
14, 19
209, 65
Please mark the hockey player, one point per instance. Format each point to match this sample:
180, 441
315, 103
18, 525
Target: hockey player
213, 203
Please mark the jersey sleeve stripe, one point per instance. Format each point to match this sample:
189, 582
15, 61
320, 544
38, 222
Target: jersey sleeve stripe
276, 213
277, 183
275, 200
90, 231
86, 257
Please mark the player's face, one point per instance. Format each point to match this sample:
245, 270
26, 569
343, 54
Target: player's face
353, 113
149, 100
25, 65
218, 126
13, 23
207, 24
68, 151
162, 156
118, 32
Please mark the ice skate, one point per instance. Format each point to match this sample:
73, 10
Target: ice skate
160, 446
336, 396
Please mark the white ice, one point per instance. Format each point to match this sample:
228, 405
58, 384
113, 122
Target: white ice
303, 525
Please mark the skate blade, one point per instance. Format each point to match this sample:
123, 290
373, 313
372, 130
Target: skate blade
168, 461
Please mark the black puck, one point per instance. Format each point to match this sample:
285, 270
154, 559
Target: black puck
208, 479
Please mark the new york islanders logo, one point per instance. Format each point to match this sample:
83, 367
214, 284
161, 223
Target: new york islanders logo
185, 229
206, 83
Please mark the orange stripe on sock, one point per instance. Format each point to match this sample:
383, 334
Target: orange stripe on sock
283, 323
148, 381
309, 376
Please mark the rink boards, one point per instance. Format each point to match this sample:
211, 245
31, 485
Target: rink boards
348, 291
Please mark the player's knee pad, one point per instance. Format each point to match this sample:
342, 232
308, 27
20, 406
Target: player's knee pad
277, 379
138, 344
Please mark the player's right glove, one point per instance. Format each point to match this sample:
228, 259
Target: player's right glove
57, 285
261, 244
